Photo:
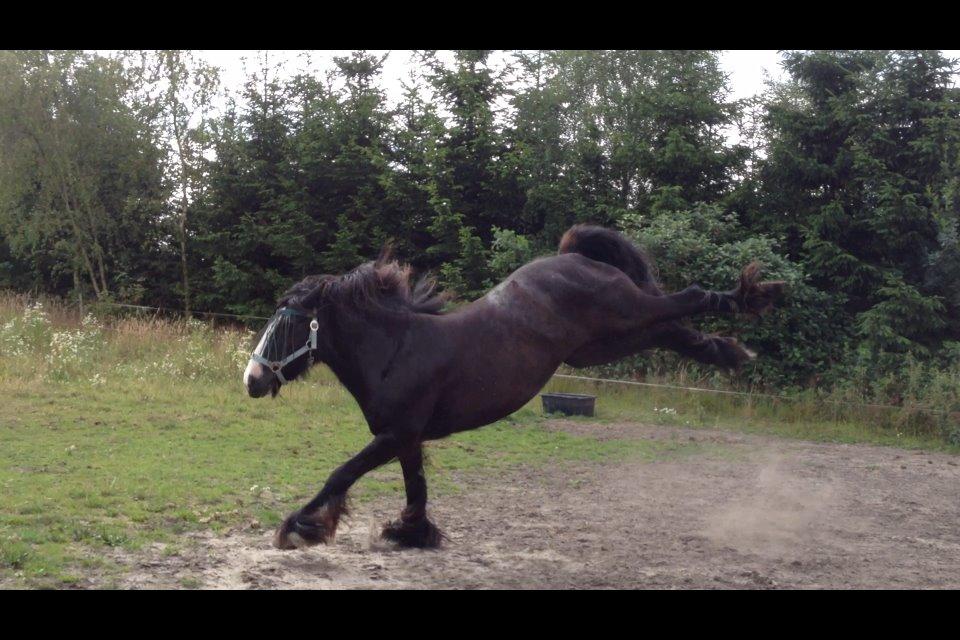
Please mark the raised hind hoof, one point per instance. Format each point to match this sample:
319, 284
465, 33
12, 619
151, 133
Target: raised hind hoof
757, 298
421, 534
732, 355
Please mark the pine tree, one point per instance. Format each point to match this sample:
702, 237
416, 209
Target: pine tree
252, 232
410, 188
855, 156
473, 177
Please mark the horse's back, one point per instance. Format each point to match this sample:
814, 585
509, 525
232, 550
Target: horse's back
507, 344
572, 284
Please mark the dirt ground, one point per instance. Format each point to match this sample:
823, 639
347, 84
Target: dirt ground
743, 512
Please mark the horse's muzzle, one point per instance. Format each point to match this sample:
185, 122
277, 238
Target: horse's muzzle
259, 380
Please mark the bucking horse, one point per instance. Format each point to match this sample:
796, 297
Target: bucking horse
419, 373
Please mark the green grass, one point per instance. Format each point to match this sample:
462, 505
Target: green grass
86, 467
118, 436
800, 418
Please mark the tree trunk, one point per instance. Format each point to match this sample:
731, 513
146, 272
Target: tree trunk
183, 255
93, 276
178, 132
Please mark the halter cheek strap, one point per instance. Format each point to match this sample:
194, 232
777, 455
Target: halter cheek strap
309, 347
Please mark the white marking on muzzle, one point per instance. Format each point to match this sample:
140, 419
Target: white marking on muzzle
252, 364
248, 372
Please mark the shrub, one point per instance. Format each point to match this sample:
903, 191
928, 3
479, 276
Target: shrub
73, 352
800, 339
27, 332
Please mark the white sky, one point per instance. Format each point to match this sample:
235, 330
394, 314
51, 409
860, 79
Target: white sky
748, 69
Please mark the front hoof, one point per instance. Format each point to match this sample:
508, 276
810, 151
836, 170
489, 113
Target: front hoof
421, 534
295, 534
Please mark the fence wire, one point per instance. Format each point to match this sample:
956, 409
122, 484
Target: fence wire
633, 383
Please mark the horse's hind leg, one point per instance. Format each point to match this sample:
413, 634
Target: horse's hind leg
716, 350
720, 351
317, 521
413, 529
641, 310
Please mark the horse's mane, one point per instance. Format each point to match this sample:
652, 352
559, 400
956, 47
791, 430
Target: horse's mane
383, 284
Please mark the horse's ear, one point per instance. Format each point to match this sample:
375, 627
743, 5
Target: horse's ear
386, 253
311, 299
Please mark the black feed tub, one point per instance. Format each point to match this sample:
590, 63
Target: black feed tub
571, 404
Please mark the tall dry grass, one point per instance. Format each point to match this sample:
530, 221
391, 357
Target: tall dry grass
46, 339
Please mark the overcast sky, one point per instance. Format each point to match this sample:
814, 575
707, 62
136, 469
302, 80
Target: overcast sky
748, 69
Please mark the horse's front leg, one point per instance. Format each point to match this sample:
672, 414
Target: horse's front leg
413, 529
317, 521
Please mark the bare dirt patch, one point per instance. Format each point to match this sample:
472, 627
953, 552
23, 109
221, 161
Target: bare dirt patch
743, 512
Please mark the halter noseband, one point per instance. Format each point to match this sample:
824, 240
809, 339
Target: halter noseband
311, 345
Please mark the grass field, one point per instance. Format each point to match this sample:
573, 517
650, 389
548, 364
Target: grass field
126, 433
125, 464
808, 418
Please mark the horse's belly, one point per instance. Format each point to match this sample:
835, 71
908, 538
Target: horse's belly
473, 399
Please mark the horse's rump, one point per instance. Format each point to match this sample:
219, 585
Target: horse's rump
610, 247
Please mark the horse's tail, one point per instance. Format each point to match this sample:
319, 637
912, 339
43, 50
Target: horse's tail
609, 246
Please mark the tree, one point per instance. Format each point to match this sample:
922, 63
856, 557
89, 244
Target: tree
80, 177
357, 166
855, 157
472, 177
252, 233
343, 159
642, 126
539, 154
411, 188
181, 90
800, 339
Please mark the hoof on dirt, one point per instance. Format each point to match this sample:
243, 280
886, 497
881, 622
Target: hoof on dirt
421, 534
297, 534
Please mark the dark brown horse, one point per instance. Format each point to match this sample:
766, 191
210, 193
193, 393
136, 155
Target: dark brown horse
419, 375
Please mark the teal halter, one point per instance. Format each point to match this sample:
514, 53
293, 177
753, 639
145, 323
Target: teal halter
277, 365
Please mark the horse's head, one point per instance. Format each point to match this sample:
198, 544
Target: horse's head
378, 293
290, 342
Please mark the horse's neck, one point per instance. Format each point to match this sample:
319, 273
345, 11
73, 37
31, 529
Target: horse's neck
352, 380
364, 347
